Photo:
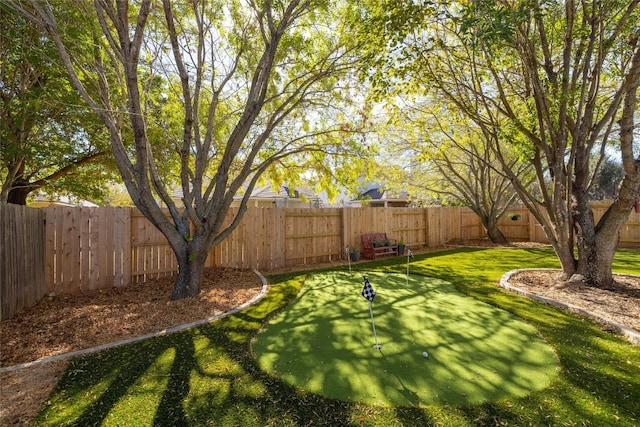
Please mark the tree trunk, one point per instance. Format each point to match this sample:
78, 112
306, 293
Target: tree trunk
596, 249
595, 256
494, 233
191, 260
564, 253
18, 195
190, 275
559, 232
595, 262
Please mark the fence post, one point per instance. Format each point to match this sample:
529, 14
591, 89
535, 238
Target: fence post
345, 230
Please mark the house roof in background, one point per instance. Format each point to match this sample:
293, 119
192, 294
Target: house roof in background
267, 192
373, 194
42, 199
378, 193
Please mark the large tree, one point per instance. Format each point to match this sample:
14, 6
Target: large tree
48, 139
565, 77
245, 86
446, 157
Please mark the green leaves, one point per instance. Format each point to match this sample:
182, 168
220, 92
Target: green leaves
49, 139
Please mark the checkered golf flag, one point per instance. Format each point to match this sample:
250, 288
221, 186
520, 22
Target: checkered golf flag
368, 291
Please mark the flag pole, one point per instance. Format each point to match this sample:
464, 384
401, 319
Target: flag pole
373, 325
409, 255
370, 294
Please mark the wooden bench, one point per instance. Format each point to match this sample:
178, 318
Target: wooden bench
378, 244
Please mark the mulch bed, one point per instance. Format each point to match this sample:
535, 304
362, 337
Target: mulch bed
66, 323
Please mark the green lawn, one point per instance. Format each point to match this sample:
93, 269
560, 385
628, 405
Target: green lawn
209, 376
324, 343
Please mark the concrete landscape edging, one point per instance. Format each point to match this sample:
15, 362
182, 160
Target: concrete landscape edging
630, 334
163, 332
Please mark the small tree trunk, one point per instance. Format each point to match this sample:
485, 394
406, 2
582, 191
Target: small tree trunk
496, 235
490, 225
559, 233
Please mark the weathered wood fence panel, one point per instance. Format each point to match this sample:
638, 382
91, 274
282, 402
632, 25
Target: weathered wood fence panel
151, 256
516, 224
409, 226
526, 228
312, 236
87, 248
443, 224
258, 242
470, 226
22, 258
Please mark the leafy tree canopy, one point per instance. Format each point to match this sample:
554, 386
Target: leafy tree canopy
212, 97
554, 82
50, 141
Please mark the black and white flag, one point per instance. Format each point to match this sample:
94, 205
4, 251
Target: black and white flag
368, 291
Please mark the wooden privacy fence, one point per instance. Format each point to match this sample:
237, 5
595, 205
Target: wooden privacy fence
93, 248
22, 258
68, 249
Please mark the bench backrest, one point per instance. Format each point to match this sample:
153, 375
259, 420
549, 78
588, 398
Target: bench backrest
369, 238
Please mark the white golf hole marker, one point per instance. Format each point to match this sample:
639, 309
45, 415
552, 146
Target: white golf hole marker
425, 354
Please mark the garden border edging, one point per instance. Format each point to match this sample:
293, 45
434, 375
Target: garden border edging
163, 332
630, 334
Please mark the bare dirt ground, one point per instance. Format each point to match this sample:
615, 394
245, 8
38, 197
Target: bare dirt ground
67, 323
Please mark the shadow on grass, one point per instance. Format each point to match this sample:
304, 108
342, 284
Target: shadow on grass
95, 387
280, 403
323, 343
208, 376
169, 412
201, 376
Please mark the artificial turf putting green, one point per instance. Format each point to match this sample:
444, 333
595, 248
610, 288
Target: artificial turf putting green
323, 343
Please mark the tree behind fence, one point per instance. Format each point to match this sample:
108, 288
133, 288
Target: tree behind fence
94, 248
